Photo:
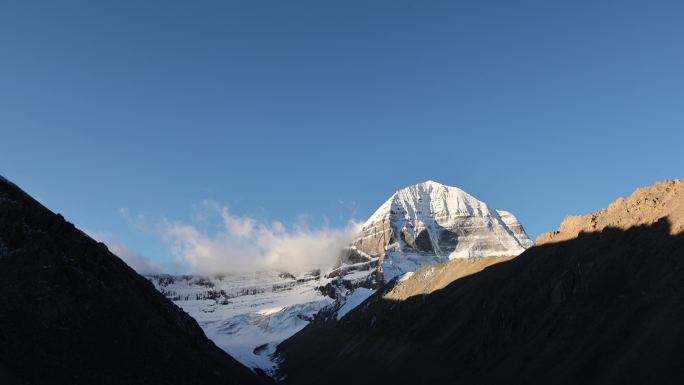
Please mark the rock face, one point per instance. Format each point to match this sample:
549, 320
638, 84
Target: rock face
71, 312
645, 206
433, 223
597, 302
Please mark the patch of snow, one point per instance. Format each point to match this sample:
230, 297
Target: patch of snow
270, 311
397, 263
405, 276
251, 338
353, 300
356, 275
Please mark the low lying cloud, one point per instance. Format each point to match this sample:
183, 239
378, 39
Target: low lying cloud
134, 259
242, 243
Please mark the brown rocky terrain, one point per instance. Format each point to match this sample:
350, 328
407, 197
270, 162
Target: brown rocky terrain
600, 301
645, 206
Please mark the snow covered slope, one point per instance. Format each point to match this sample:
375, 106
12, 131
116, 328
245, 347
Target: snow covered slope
248, 314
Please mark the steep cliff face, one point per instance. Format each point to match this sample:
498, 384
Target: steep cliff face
433, 223
597, 302
71, 312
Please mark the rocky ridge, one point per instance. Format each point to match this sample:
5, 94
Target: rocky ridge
645, 206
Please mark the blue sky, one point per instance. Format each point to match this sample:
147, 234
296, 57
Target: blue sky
315, 112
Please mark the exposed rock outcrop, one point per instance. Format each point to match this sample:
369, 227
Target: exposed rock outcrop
645, 206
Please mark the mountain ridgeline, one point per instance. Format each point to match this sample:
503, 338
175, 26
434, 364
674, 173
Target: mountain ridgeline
71, 312
600, 301
438, 288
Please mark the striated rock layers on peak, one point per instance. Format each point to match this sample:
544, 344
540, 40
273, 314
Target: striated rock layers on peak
433, 223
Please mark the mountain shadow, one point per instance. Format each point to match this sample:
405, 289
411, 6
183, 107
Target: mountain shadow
71, 312
606, 307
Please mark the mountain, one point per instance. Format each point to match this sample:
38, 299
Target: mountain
248, 315
599, 301
433, 223
71, 312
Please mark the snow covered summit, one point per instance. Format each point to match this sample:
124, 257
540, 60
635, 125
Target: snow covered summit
430, 223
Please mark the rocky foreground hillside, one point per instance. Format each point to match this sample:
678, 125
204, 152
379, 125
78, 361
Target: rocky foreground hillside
600, 301
71, 312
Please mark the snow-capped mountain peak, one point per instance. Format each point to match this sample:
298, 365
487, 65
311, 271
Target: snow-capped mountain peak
430, 223
423, 200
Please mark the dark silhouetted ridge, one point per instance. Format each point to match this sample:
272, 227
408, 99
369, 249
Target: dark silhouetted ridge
71, 312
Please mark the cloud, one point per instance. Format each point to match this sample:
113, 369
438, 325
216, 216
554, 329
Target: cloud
134, 259
242, 243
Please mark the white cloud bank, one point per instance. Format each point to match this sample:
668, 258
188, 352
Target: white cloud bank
134, 259
242, 243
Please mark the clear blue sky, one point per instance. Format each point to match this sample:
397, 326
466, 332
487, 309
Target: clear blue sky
285, 108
